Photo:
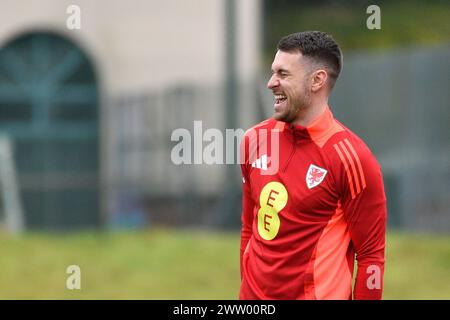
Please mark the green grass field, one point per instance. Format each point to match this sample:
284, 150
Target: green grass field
174, 264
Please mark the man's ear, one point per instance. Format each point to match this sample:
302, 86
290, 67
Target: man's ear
318, 79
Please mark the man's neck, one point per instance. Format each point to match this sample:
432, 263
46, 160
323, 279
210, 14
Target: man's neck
306, 116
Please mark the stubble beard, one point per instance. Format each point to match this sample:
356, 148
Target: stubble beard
291, 113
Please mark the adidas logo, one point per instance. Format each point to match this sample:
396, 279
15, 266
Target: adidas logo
261, 163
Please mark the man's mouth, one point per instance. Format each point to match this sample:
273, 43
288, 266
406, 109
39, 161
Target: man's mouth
279, 99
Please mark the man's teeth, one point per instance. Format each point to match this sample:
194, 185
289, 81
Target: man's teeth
279, 98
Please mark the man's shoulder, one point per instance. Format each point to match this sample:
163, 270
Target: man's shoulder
346, 146
352, 163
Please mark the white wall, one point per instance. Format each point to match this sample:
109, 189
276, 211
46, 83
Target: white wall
145, 44
141, 46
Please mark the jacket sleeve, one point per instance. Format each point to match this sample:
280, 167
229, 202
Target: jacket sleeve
364, 204
247, 202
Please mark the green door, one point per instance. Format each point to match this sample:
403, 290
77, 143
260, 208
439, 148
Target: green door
49, 108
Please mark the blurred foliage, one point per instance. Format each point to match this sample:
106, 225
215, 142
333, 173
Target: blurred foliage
403, 23
184, 264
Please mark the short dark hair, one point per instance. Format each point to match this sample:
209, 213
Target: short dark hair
317, 45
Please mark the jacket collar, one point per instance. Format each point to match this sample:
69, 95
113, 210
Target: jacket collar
316, 129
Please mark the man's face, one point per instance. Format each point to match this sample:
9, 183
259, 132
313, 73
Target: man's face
289, 84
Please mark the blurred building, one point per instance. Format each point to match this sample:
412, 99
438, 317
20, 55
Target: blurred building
90, 111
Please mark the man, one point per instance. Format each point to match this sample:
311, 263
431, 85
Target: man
304, 224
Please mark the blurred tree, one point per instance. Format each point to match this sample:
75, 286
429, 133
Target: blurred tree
403, 23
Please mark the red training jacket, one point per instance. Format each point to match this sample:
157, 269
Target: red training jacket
313, 201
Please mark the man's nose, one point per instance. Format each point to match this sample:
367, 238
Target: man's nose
273, 82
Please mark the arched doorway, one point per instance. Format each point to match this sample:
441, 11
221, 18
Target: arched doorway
49, 108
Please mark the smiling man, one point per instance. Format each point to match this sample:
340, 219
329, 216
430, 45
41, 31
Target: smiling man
305, 225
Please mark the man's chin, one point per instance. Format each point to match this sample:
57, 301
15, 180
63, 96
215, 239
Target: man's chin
278, 116
281, 116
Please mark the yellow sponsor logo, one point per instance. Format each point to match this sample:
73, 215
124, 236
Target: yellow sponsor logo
272, 200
